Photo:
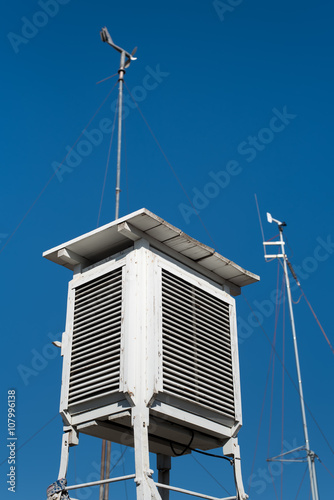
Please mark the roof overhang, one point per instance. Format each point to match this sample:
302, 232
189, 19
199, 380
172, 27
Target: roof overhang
120, 234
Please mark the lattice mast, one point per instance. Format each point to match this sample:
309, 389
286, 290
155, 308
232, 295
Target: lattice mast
310, 455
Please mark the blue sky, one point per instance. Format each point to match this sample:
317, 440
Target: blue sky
240, 99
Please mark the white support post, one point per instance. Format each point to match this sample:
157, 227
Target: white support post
64, 456
146, 488
142, 463
232, 449
70, 438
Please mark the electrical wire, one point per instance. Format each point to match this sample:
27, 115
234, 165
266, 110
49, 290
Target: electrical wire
260, 422
290, 377
108, 77
126, 169
298, 300
75, 464
212, 455
301, 482
187, 447
277, 309
170, 165
260, 221
33, 435
272, 479
278, 305
283, 373
211, 475
329, 472
287, 242
309, 305
54, 174
118, 461
125, 482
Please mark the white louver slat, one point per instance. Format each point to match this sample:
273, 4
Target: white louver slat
95, 355
197, 358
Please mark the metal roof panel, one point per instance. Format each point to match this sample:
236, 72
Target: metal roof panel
108, 240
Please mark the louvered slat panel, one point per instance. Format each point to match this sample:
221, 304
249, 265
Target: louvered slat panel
197, 358
95, 356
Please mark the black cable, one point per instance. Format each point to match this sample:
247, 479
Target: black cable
188, 447
231, 460
185, 449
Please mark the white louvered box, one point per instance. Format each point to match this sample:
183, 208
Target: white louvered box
151, 317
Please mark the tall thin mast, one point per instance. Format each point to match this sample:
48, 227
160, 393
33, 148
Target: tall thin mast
310, 455
126, 59
124, 63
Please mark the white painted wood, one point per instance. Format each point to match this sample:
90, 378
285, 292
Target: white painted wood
64, 456
236, 368
125, 230
190, 420
70, 257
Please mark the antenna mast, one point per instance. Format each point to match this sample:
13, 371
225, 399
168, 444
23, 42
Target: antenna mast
310, 455
126, 59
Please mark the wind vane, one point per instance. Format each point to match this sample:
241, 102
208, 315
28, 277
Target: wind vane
125, 62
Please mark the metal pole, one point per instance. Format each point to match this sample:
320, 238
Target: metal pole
310, 461
105, 37
107, 471
103, 454
164, 465
121, 73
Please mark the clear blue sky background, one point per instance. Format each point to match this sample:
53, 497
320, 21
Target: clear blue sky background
223, 75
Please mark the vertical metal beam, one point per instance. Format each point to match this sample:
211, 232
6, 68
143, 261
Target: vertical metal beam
103, 458
164, 465
121, 73
107, 470
310, 461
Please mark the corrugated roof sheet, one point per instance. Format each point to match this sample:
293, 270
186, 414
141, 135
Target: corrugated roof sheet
107, 240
